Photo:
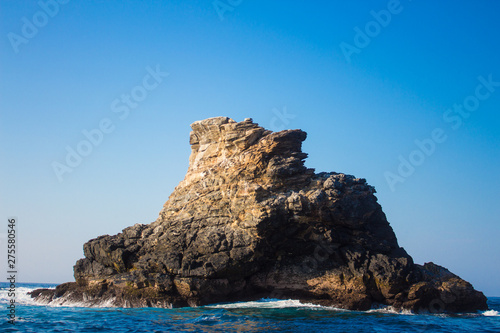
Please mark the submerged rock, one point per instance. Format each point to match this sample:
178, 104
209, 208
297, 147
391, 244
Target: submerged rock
248, 221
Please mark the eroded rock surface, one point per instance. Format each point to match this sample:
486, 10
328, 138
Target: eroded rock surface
249, 220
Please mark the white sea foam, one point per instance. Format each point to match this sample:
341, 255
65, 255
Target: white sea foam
207, 318
21, 296
291, 303
491, 313
65, 302
272, 304
391, 310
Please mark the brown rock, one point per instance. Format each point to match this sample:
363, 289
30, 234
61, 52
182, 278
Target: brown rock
249, 220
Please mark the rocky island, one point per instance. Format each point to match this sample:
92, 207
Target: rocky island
250, 221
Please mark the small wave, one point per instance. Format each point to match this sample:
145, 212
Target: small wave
291, 303
491, 313
21, 296
391, 310
208, 318
65, 302
262, 304
267, 303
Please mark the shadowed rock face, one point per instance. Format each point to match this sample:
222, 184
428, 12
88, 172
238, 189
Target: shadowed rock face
249, 220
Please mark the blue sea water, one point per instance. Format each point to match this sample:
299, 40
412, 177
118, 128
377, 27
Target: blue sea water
267, 315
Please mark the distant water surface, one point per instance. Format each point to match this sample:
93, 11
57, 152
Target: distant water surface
267, 315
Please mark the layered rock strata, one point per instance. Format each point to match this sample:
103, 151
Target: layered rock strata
248, 221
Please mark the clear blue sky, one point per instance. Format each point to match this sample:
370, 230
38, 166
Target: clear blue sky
363, 84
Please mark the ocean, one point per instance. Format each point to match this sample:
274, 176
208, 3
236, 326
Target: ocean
266, 315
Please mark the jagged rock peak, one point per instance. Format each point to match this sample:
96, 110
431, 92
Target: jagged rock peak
213, 140
235, 162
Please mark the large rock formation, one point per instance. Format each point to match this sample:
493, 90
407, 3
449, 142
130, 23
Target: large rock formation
248, 221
